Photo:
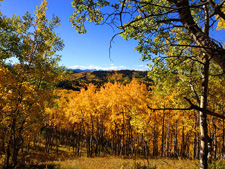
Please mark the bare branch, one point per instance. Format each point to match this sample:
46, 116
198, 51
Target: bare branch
217, 8
192, 107
110, 45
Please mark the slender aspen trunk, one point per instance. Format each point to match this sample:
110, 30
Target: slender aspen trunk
183, 144
155, 139
203, 116
187, 144
102, 135
97, 147
175, 141
223, 137
146, 149
195, 137
210, 147
91, 137
2, 149
214, 148
171, 143
123, 130
168, 137
162, 140
57, 140
8, 155
203, 101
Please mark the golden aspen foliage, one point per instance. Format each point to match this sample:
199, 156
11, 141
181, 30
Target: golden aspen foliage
221, 23
26, 86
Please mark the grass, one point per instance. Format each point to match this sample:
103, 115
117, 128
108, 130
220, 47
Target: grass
119, 163
39, 159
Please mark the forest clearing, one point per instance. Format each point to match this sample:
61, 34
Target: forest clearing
120, 163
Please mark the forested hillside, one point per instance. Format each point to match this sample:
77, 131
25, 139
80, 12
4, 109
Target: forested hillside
77, 80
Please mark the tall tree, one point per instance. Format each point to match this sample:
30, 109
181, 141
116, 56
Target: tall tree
26, 86
169, 27
152, 23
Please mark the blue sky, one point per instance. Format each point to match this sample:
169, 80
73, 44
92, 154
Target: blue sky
89, 51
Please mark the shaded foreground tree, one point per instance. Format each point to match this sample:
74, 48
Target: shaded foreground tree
171, 29
26, 87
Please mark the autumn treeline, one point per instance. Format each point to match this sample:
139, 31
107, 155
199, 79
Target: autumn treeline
116, 119
27, 84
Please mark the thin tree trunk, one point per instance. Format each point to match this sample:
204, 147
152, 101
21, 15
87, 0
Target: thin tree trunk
183, 144
187, 144
8, 155
175, 141
223, 146
195, 137
162, 140
155, 139
203, 101
214, 139
203, 116
168, 137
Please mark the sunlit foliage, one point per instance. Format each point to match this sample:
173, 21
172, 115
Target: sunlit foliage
28, 72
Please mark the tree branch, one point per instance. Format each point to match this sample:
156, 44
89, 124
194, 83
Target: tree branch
192, 107
217, 8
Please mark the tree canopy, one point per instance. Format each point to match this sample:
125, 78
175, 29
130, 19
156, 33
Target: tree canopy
175, 35
26, 86
159, 26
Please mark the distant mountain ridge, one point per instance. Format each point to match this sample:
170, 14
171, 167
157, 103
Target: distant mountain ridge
88, 70
82, 70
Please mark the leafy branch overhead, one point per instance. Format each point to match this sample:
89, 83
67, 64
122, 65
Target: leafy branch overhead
161, 26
